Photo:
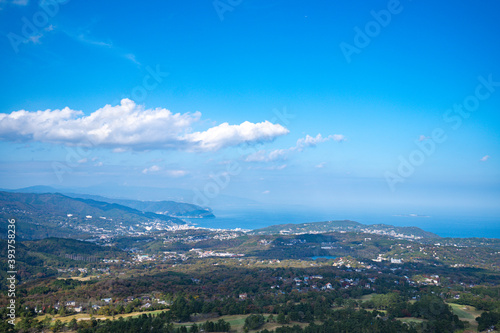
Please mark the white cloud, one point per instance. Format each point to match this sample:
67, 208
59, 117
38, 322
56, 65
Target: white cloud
35, 38
321, 165
310, 141
225, 135
159, 170
302, 143
266, 192
176, 173
485, 158
85, 36
279, 167
411, 215
132, 58
128, 126
272, 167
264, 156
151, 169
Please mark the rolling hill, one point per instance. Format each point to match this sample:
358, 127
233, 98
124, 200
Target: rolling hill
345, 226
164, 207
56, 215
41, 258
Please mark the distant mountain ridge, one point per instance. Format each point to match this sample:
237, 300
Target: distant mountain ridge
56, 215
170, 208
145, 193
345, 226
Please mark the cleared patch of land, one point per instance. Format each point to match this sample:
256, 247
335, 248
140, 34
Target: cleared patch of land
411, 320
366, 297
466, 313
79, 278
85, 316
238, 321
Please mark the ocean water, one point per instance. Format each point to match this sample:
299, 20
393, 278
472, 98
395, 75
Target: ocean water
442, 225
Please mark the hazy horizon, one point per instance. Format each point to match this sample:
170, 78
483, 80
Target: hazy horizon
236, 212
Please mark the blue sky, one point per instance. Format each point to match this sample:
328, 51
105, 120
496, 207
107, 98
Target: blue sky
281, 102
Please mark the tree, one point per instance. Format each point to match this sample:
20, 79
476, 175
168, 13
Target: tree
254, 321
488, 319
58, 326
73, 324
46, 322
62, 311
282, 319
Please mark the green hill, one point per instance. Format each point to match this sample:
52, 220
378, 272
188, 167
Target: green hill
170, 208
41, 258
345, 226
56, 215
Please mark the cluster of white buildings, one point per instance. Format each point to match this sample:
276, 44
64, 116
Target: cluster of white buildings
205, 254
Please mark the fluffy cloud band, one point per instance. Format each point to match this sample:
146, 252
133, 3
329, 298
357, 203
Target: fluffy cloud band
130, 126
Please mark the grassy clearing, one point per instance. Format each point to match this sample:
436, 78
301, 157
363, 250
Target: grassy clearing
79, 278
411, 320
86, 316
365, 297
238, 321
466, 313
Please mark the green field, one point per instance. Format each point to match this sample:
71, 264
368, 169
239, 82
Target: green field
412, 320
85, 316
466, 313
238, 321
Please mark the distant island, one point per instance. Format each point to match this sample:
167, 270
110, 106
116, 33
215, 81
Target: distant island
345, 226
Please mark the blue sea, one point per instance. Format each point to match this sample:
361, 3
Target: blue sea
442, 225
